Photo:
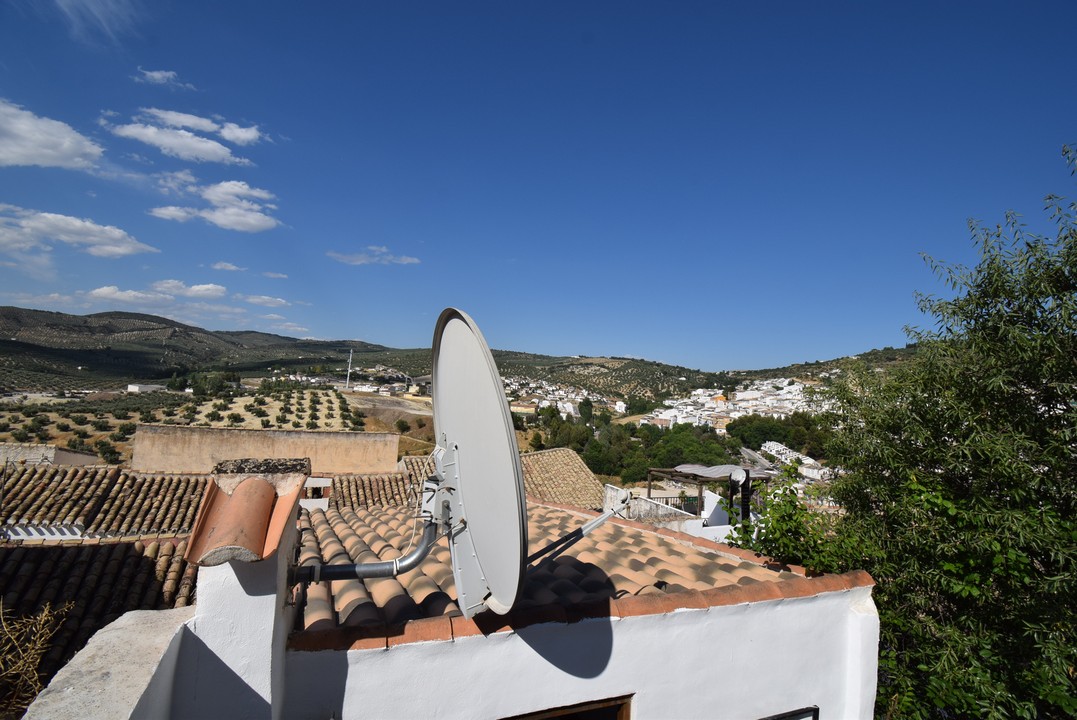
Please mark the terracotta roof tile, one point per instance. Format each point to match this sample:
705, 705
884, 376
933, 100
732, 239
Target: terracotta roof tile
101, 580
383, 489
619, 569
557, 476
560, 476
97, 501
243, 516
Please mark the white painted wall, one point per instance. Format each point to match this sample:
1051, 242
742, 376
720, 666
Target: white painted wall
232, 665
749, 661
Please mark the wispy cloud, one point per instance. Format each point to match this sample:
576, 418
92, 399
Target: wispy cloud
276, 275
373, 255
232, 132
289, 327
178, 287
89, 19
45, 302
234, 205
263, 300
178, 143
29, 235
27, 139
227, 266
168, 78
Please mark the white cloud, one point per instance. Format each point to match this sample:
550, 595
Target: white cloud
373, 255
26, 139
276, 275
178, 287
44, 302
179, 143
161, 77
240, 135
171, 212
114, 294
289, 327
172, 118
235, 206
230, 131
272, 316
30, 231
177, 183
263, 300
226, 266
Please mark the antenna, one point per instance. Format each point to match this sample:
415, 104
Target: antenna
476, 497
348, 380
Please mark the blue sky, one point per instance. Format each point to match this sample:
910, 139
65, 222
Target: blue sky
717, 185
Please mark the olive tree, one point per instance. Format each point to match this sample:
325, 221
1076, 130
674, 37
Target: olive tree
959, 487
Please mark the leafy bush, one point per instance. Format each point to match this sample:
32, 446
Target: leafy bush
107, 451
78, 444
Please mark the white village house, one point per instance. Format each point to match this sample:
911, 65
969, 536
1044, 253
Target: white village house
630, 622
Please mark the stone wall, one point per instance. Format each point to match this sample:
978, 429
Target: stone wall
27, 452
160, 448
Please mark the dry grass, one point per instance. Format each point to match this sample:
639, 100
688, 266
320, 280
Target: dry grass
23, 642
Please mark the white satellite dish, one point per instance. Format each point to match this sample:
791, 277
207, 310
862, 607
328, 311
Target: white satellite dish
478, 465
476, 496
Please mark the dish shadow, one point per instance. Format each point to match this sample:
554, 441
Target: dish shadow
574, 632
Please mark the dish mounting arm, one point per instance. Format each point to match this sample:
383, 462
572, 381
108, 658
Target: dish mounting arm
566, 541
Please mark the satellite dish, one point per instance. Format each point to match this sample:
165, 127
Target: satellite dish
738, 475
481, 489
476, 496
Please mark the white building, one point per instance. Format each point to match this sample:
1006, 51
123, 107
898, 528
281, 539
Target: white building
583, 635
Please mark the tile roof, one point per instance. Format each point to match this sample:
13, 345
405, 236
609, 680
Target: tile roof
419, 467
98, 501
355, 491
560, 476
102, 579
246, 509
622, 568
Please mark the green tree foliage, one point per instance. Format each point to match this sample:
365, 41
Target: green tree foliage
403, 426
801, 431
587, 411
107, 452
960, 494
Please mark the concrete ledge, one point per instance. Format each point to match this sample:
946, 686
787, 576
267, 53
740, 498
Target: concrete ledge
108, 677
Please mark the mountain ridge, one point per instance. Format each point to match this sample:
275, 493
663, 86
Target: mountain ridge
54, 350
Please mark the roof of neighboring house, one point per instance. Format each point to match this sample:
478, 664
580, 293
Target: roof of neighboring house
420, 467
102, 579
560, 476
381, 489
621, 568
100, 501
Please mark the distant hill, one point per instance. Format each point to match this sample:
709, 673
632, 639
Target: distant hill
51, 350
41, 350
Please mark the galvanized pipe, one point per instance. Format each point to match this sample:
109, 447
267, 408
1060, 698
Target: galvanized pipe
389, 568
